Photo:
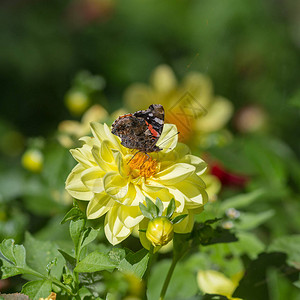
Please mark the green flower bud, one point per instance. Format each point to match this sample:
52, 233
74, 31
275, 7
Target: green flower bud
160, 231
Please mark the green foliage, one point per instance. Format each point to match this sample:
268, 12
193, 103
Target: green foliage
256, 275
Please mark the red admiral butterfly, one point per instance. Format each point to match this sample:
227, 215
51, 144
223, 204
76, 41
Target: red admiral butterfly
142, 129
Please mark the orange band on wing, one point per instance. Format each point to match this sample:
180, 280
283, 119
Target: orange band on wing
152, 130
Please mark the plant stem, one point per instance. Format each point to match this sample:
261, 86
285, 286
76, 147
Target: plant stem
55, 281
146, 276
168, 278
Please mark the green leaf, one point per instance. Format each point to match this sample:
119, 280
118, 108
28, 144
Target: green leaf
151, 207
37, 289
171, 208
145, 211
70, 260
89, 235
242, 200
247, 244
135, 263
43, 254
10, 271
256, 276
94, 262
76, 230
116, 255
73, 214
289, 245
160, 206
14, 253
178, 219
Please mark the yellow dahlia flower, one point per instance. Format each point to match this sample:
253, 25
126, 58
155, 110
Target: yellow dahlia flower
114, 182
191, 105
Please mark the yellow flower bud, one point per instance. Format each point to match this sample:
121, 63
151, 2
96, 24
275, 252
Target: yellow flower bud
77, 102
32, 160
160, 231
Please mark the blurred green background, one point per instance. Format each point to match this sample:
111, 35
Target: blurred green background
249, 48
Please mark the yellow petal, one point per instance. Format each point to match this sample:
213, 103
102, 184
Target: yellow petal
114, 229
213, 282
84, 156
168, 139
139, 96
94, 113
196, 161
130, 216
174, 173
163, 79
187, 224
103, 156
102, 132
200, 87
99, 205
213, 186
115, 186
217, 116
92, 178
75, 186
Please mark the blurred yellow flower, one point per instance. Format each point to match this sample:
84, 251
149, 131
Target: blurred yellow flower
32, 160
70, 131
52, 296
190, 105
213, 282
114, 183
77, 102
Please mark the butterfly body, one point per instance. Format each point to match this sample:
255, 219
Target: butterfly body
142, 129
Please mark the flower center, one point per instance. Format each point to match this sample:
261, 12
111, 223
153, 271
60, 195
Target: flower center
143, 165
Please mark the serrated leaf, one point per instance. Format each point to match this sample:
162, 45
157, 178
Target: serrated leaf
14, 253
171, 208
178, 219
160, 206
135, 263
70, 260
40, 254
8, 271
37, 289
145, 211
6, 248
151, 207
94, 262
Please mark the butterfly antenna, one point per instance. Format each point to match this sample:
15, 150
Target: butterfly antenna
133, 156
168, 139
